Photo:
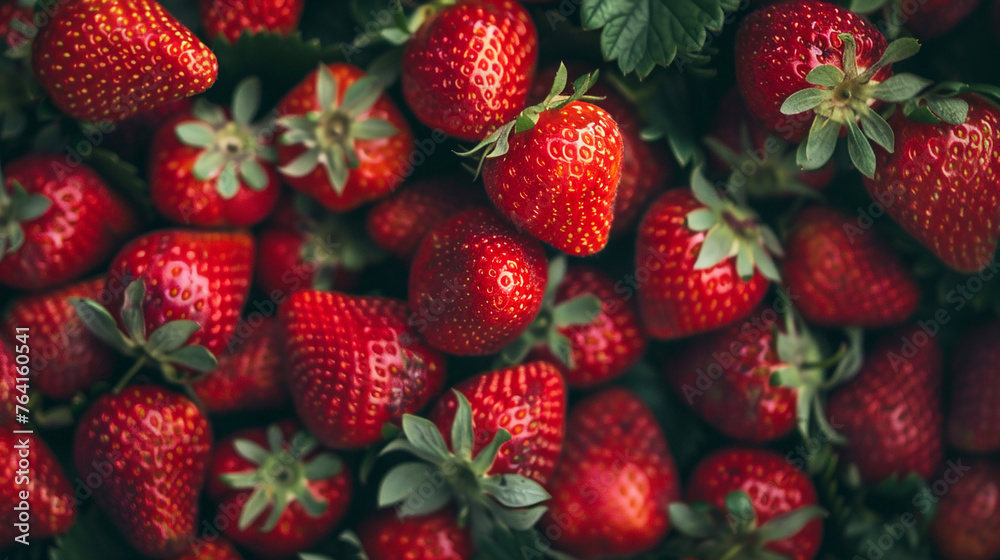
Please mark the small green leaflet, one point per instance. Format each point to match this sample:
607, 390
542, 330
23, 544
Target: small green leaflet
641, 34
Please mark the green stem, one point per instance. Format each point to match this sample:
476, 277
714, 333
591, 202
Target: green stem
130, 374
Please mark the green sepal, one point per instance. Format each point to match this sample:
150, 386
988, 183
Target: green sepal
101, 324
195, 134
246, 100
171, 336
424, 435
789, 524
805, 100
17, 207
514, 490
462, 437
402, 481
860, 150
581, 310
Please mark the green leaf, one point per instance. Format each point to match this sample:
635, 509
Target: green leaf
208, 164
581, 310
171, 336
194, 357
641, 34
789, 524
462, 438
419, 505
326, 88
514, 490
246, 100
691, 522
361, 95
99, 322
132, 315
898, 50
861, 151
826, 75
951, 110
251, 451
740, 507
805, 100
196, 134
899, 88
402, 481
877, 129
373, 129
561, 346
32, 206
821, 143
254, 507
487, 455
228, 184
517, 519
715, 248
424, 435
323, 466
302, 165
253, 174
701, 220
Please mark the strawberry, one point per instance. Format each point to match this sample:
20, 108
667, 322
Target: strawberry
967, 523
57, 223
216, 548
843, 275
759, 161
132, 137
15, 18
384, 370
387, 536
311, 248
103, 60
398, 222
973, 422
757, 504
891, 412
755, 381
702, 262
496, 434
554, 171
251, 372
809, 60
38, 498
342, 141
614, 446
943, 184
289, 492
66, 357
209, 170
475, 283
647, 167
9, 379
933, 18
149, 448
585, 328
231, 19
468, 67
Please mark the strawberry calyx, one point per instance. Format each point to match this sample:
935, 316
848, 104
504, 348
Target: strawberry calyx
803, 368
329, 135
709, 533
497, 143
774, 176
282, 476
941, 103
731, 230
231, 152
581, 310
486, 500
17, 206
165, 347
332, 242
845, 97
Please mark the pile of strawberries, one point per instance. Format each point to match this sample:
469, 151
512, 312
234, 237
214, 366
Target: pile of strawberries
456, 292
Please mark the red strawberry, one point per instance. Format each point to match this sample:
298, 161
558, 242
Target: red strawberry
65, 357
777, 48
933, 18
216, 548
615, 480
755, 381
12, 35
343, 142
967, 523
383, 368
529, 401
492, 441
387, 536
467, 69
38, 499
398, 222
770, 507
647, 167
585, 328
891, 413
761, 163
289, 493
973, 423
59, 224
149, 448
554, 171
843, 275
103, 60
231, 19
209, 170
701, 262
251, 373
943, 184
475, 283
